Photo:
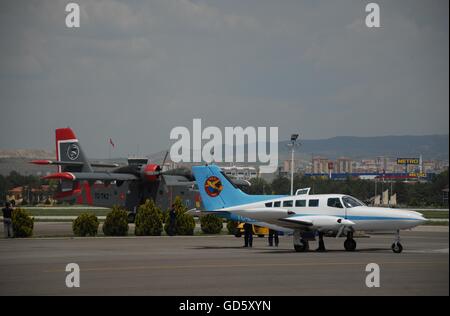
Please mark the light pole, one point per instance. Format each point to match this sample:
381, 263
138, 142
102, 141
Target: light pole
292, 144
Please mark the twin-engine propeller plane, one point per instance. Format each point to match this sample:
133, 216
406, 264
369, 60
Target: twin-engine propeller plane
305, 215
126, 186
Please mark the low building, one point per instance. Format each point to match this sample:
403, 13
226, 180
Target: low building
40, 195
240, 173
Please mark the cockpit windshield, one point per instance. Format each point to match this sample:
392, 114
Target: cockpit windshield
350, 202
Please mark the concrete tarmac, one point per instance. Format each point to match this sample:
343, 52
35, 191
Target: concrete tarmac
218, 265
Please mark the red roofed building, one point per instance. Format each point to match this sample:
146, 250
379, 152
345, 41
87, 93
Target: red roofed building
43, 194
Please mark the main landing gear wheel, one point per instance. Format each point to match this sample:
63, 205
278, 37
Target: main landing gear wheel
397, 247
350, 244
303, 247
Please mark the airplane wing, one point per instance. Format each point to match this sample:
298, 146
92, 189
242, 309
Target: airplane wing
262, 214
289, 219
103, 176
296, 222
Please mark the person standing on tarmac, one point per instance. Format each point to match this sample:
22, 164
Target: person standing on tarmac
248, 235
273, 235
7, 222
172, 221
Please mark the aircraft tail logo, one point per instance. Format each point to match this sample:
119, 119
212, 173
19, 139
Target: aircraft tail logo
213, 186
73, 151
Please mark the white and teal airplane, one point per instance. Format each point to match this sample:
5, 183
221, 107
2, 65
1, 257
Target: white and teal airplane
304, 215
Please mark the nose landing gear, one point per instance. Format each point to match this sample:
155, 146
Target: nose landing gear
397, 246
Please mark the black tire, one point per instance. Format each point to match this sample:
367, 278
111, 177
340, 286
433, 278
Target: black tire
350, 244
237, 235
397, 247
299, 248
303, 247
131, 218
261, 236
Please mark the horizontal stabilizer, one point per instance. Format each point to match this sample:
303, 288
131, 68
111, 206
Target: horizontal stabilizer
51, 162
72, 163
93, 176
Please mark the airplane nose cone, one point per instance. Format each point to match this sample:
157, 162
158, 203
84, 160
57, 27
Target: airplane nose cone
422, 219
418, 217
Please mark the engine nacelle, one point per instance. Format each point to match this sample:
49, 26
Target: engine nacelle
151, 172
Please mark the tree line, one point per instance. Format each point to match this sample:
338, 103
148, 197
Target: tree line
416, 194
28, 182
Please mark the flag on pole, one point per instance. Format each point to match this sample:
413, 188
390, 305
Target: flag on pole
112, 144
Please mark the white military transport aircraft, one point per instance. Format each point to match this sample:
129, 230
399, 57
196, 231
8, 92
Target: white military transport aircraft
304, 215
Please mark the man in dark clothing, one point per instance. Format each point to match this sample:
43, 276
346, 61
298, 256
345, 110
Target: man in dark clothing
248, 235
321, 243
273, 234
172, 221
7, 222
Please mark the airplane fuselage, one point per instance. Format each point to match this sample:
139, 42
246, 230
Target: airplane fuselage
370, 219
303, 214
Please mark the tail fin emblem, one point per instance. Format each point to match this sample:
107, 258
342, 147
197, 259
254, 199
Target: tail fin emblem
73, 152
213, 186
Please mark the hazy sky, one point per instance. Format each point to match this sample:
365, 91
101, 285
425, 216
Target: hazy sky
136, 69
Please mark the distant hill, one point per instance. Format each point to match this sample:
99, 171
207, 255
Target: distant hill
27, 153
429, 146
435, 147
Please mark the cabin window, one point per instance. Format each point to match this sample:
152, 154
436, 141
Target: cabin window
300, 203
277, 204
269, 204
334, 202
313, 203
288, 203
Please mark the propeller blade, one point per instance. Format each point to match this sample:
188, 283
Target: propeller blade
163, 182
164, 160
